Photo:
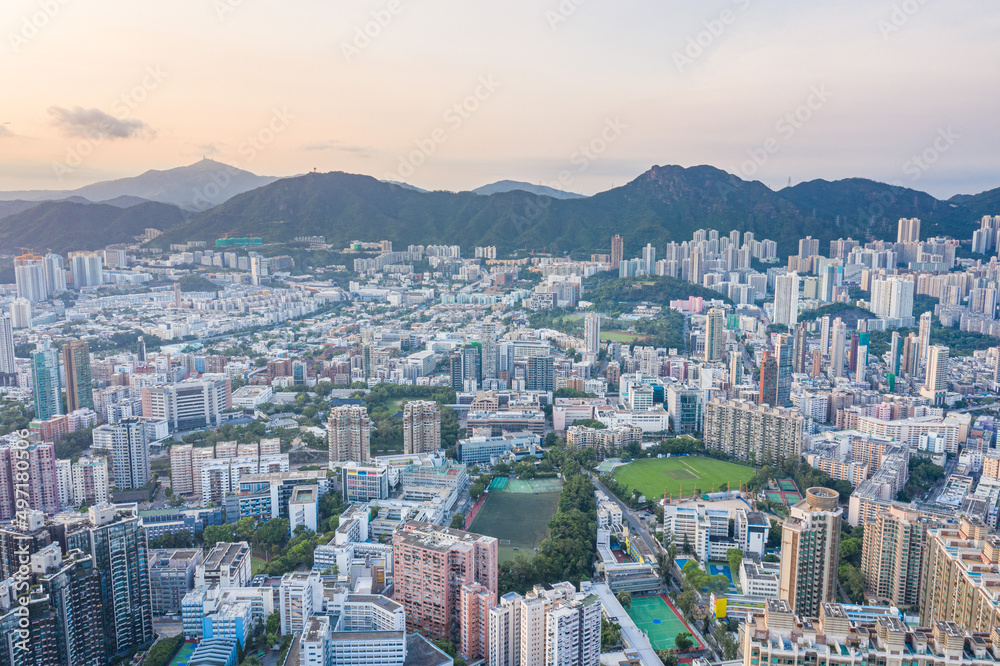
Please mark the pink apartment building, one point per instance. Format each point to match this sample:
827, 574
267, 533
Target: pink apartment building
432, 564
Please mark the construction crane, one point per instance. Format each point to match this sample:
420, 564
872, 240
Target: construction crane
26, 254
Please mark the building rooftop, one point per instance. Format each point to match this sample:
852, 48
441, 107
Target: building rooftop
174, 558
368, 635
226, 554
212, 652
444, 470
315, 628
437, 537
296, 475
421, 652
384, 602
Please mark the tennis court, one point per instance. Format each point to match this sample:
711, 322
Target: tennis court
788, 485
784, 496
658, 619
498, 483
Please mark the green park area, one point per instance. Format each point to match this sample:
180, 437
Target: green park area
617, 336
687, 475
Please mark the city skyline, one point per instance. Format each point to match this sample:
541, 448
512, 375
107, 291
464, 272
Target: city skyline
277, 388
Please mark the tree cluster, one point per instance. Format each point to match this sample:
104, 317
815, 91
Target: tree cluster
568, 553
387, 435
923, 474
163, 651
614, 294
804, 474
849, 569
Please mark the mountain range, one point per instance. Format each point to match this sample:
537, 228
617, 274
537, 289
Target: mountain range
666, 203
197, 187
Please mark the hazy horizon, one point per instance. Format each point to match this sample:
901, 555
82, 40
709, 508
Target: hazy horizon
441, 189
579, 95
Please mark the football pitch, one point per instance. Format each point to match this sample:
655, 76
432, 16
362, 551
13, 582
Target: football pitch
658, 620
519, 519
654, 476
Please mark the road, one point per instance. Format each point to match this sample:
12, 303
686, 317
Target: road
634, 522
165, 626
992, 405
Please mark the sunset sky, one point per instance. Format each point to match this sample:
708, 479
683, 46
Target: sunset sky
103, 89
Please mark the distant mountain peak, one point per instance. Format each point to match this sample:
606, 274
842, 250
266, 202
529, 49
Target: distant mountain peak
198, 186
502, 186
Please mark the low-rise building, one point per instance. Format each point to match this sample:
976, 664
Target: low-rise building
250, 397
752, 531
478, 450
363, 482
303, 508
171, 577
759, 579
227, 565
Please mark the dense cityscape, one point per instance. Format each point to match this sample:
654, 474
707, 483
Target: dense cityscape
520, 333
250, 452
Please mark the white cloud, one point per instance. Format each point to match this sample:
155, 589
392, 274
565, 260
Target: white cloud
93, 123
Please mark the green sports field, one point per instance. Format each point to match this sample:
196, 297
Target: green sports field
617, 336
183, 655
517, 516
661, 624
653, 476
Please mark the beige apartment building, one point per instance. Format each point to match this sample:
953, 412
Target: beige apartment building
748, 431
810, 551
892, 555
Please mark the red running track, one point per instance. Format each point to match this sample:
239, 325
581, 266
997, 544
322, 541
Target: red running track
475, 510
